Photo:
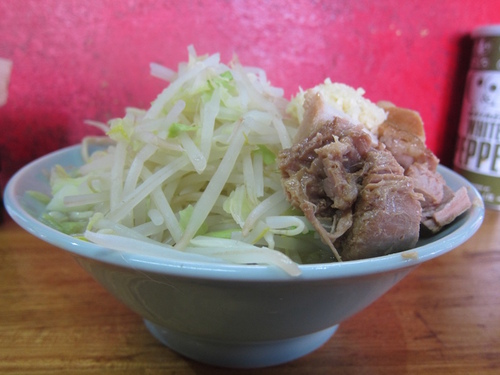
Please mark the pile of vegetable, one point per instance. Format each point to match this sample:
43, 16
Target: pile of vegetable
194, 174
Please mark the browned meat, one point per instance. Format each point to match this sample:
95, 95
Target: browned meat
387, 213
405, 119
320, 176
339, 145
406, 147
366, 199
342, 182
453, 204
402, 135
427, 182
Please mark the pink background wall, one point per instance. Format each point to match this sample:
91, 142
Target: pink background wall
75, 60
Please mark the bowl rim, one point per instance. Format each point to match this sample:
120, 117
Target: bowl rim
456, 234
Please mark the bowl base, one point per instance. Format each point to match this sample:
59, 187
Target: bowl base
240, 355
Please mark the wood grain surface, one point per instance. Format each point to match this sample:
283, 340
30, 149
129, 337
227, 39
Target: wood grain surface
444, 318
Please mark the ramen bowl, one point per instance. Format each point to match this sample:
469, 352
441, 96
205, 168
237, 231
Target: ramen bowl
238, 316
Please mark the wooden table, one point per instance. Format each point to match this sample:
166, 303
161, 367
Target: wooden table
444, 318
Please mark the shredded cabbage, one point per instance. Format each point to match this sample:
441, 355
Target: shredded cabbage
195, 173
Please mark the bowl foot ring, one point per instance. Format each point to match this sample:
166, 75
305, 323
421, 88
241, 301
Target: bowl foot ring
240, 355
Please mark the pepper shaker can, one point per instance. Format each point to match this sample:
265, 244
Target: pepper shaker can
477, 155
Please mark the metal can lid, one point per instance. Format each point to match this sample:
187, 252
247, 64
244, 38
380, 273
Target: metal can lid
486, 30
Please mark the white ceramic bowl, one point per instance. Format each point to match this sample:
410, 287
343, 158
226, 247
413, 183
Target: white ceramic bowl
235, 315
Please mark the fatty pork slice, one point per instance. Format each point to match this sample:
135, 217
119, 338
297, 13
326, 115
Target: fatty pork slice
387, 213
320, 176
402, 134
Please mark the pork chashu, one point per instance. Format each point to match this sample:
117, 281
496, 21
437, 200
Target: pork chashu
365, 198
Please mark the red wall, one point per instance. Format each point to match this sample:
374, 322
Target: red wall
75, 60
